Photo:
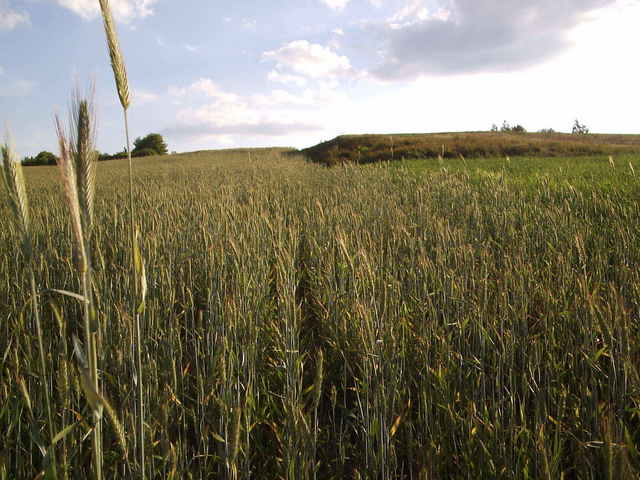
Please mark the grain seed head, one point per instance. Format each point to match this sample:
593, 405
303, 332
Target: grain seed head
84, 155
117, 62
317, 383
16, 187
68, 174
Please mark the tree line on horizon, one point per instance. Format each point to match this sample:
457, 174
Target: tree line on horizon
154, 144
577, 128
150, 145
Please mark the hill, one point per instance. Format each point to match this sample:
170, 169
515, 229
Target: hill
226, 152
375, 148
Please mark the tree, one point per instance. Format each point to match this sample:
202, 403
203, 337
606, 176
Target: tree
579, 129
506, 128
144, 152
46, 158
153, 141
43, 158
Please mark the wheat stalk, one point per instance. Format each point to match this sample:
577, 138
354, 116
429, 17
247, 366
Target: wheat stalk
117, 62
137, 302
77, 167
317, 394
17, 189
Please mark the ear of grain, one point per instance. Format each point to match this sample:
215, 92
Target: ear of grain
100, 404
141, 275
235, 435
25, 395
117, 62
84, 156
14, 181
69, 183
317, 383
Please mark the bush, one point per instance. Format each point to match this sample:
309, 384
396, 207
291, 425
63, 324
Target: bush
144, 152
579, 129
506, 128
43, 158
153, 141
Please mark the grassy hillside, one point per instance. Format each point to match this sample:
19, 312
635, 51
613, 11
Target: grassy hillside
412, 320
375, 148
231, 153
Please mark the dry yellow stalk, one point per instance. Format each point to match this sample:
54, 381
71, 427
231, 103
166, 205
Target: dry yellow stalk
317, 383
235, 435
69, 183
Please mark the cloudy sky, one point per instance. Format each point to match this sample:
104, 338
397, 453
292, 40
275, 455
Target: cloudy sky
210, 74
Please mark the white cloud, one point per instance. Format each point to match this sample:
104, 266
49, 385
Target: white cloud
191, 48
17, 88
1, 71
249, 23
336, 36
210, 112
140, 97
469, 36
124, 10
310, 60
311, 97
9, 18
336, 4
287, 79
416, 11
206, 87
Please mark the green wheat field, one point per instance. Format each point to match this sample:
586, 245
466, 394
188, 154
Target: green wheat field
422, 319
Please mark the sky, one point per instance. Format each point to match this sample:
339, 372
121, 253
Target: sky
210, 74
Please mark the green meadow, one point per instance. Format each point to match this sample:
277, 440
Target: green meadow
417, 319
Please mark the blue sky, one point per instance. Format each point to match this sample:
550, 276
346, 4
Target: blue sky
210, 74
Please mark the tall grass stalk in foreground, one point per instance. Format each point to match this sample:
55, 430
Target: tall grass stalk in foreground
77, 167
17, 190
137, 269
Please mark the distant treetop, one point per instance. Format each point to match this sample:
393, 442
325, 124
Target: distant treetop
506, 128
43, 158
151, 143
579, 129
